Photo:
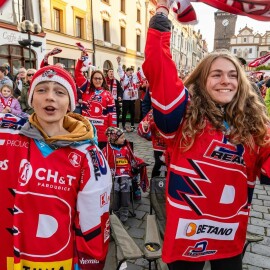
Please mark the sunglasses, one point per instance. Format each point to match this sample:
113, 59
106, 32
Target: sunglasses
98, 79
32, 74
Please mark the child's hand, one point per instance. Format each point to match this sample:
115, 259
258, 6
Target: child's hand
6, 110
145, 125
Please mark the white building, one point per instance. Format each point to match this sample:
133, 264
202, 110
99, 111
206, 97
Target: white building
250, 45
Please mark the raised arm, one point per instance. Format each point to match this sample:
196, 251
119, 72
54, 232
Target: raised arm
81, 81
169, 96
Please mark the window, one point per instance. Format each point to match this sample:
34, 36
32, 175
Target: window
69, 64
123, 6
123, 36
234, 51
106, 66
245, 39
17, 57
250, 50
106, 30
57, 19
138, 43
58, 15
138, 15
23, 10
78, 28
79, 19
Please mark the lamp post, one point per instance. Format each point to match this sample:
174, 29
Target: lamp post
29, 27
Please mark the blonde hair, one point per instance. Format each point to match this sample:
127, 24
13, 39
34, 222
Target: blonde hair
245, 113
9, 87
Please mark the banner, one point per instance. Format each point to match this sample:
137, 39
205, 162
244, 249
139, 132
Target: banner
255, 9
259, 61
2, 2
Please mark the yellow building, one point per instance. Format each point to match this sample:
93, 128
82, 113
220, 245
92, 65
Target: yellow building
66, 23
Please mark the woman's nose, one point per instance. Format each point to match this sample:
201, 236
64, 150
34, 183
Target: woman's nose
225, 79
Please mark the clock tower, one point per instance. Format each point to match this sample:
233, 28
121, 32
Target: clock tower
224, 29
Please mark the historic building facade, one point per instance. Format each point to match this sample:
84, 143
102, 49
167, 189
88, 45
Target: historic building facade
66, 23
107, 28
11, 15
119, 30
250, 45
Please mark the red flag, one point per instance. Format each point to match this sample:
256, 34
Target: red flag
259, 61
255, 9
2, 2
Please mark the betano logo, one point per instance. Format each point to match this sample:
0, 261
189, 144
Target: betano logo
207, 229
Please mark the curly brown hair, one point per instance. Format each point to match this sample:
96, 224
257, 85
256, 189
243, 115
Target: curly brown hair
245, 114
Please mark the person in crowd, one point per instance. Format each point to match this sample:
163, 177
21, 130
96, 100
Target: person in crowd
147, 129
8, 103
98, 102
261, 85
20, 81
143, 89
255, 87
7, 72
4, 80
56, 183
146, 103
218, 134
267, 96
125, 166
116, 90
24, 93
129, 83
79, 101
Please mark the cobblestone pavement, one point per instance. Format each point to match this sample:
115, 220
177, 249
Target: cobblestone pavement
257, 256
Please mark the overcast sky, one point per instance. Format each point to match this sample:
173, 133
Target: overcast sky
206, 24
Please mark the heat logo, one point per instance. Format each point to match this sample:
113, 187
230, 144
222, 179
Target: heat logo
199, 250
225, 152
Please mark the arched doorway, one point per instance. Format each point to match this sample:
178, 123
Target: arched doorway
106, 66
17, 56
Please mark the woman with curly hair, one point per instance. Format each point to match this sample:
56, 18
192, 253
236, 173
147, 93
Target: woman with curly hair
98, 102
218, 136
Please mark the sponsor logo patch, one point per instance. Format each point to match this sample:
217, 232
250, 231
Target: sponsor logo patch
199, 250
204, 228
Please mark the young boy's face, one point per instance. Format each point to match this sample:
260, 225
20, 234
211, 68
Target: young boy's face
121, 139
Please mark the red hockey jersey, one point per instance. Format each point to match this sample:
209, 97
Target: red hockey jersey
99, 107
60, 212
152, 133
210, 186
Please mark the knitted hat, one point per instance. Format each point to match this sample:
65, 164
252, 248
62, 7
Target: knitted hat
54, 74
113, 133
